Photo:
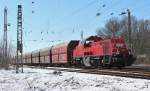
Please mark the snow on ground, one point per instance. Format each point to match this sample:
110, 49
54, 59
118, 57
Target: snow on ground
46, 80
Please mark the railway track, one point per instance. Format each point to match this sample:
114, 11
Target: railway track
132, 72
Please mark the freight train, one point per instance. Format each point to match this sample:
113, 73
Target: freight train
91, 52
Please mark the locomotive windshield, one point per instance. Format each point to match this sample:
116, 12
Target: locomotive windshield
120, 45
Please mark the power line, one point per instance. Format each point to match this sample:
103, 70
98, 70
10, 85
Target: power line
104, 9
75, 12
107, 8
142, 7
36, 40
72, 14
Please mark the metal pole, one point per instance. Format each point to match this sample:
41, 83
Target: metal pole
129, 29
82, 35
5, 35
21, 49
17, 60
19, 39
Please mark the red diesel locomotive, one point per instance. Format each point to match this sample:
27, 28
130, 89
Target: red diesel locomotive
94, 51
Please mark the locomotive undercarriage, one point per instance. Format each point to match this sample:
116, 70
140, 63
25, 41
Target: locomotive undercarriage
113, 61
118, 60
106, 61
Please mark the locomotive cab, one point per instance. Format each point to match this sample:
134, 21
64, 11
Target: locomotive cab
118, 55
119, 46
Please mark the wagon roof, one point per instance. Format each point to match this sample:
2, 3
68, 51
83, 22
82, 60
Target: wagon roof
45, 49
64, 44
27, 54
35, 51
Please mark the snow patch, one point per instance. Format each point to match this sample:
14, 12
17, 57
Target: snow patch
49, 80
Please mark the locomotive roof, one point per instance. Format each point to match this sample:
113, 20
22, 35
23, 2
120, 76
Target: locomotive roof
95, 38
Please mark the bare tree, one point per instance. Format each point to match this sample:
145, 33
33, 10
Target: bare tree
112, 27
101, 33
140, 33
6, 61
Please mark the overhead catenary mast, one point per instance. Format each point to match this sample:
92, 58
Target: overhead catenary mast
19, 60
129, 29
5, 35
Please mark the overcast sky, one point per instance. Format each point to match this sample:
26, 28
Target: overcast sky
48, 22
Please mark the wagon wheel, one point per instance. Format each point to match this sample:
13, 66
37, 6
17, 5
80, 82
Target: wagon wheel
94, 63
121, 62
110, 62
103, 64
86, 61
107, 59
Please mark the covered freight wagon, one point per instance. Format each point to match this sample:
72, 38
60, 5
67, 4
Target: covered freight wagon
45, 56
63, 53
35, 57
